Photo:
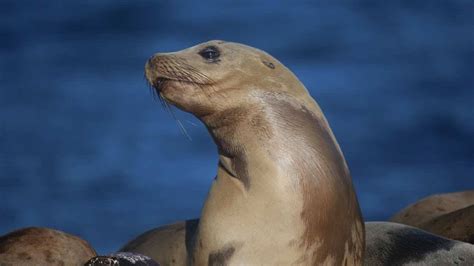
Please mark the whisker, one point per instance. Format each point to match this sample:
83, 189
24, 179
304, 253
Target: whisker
199, 79
162, 101
178, 122
156, 95
191, 123
178, 70
183, 129
153, 92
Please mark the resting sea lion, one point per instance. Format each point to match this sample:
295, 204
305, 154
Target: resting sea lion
283, 194
43, 246
458, 225
168, 245
450, 215
433, 206
397, 244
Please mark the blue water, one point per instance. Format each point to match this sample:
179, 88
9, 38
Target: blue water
85, 149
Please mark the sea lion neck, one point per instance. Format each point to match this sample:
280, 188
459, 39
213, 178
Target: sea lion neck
225, 120
261, 133
279, 149
230, 131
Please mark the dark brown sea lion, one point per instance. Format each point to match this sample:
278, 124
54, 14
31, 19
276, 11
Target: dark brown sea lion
43, 246
283, 194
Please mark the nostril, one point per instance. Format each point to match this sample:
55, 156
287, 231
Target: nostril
150, 66
150, 63
149, 70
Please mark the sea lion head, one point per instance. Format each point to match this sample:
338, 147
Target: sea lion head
217, 75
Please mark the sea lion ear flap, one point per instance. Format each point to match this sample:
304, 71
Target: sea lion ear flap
268, 64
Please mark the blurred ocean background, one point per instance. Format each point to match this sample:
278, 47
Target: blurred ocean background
85, 149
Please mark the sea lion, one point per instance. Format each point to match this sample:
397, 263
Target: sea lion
168, 245
458, 225
397, 244
450, 215
43, 246
283, 194
433, 206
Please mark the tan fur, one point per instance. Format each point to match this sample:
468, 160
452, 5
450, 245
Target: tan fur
166, 245
433, 206
449, 215
283, 194
458, 225
43, 246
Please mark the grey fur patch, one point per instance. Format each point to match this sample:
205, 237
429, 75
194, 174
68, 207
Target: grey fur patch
414, 246
240, 166
226, 122
221, 257
397, 244
190, 236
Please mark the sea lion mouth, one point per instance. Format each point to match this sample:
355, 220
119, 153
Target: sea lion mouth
159, 83
161, 70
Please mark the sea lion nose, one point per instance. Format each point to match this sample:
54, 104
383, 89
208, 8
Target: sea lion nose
151, 63
150, 68
156, 60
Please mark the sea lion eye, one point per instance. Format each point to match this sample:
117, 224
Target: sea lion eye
210, 53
